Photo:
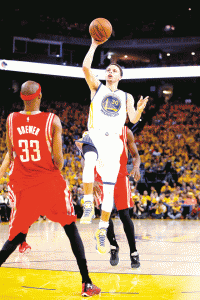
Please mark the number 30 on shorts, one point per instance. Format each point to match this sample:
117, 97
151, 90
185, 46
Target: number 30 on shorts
27, 149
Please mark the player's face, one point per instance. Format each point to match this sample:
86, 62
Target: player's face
113, 73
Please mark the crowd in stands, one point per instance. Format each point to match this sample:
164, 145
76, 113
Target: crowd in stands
127, 24
169, 149
170, 161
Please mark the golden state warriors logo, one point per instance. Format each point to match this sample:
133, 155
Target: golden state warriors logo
110, 105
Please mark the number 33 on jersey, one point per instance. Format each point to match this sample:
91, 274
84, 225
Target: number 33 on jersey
31, 139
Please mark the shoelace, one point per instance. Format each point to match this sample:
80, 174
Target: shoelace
113, 253
102, 238
87, 209
134, 258
88, 286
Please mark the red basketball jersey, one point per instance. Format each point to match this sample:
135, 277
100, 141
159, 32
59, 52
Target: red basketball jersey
31, 138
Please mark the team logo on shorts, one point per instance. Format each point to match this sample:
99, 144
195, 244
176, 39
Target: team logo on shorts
111, 105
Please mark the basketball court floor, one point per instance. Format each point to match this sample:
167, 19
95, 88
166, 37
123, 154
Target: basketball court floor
169, 255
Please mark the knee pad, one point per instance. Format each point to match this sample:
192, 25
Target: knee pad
89, 165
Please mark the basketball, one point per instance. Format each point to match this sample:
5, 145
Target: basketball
100, 29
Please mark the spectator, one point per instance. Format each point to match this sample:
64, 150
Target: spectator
5, 208
135, 197
192, 186
189, 202
183, 187
160, 208
176, 211
146, 200
140, 210
177, 191
1, 189
167, 200
154, 200
153, 191
195, 213
166, 188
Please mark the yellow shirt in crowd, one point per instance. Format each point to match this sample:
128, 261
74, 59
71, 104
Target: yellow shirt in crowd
144, 199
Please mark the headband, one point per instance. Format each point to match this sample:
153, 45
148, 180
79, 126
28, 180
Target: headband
32, 96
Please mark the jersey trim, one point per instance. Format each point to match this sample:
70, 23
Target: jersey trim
48, 131
96, 91
124, 135
10, 127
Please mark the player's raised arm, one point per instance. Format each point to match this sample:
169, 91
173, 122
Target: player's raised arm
134, 115
57, 143
92, 81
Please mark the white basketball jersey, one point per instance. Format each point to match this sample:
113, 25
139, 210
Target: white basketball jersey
107, 110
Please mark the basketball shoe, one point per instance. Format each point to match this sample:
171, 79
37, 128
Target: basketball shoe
89, 289
100, 236
88, 213
114, 257
135, 261
24, 248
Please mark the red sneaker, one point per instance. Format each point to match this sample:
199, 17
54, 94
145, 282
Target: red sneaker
90, 290
24, 248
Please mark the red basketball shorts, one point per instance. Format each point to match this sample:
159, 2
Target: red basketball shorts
50, 199
122, 194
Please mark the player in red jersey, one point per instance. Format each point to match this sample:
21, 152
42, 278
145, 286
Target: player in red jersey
34, 142
122, 197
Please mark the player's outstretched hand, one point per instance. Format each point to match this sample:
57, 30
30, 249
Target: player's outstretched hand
135, 173
96, 43
142, 103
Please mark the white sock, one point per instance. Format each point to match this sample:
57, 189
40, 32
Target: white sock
88, 198
103, 224
134, 253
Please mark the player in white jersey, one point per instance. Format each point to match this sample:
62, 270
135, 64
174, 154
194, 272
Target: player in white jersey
107, 117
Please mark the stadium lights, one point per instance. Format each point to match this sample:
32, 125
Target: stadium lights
167, 92
76, 72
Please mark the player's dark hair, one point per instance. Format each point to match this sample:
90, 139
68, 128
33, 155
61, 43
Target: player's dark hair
120, 68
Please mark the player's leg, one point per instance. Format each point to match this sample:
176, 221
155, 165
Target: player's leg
106, 208
10, 246
90, 158
123, 202
88, 288
24, 247
61, 210
108, 167
22, 216
130, 234
114, 247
